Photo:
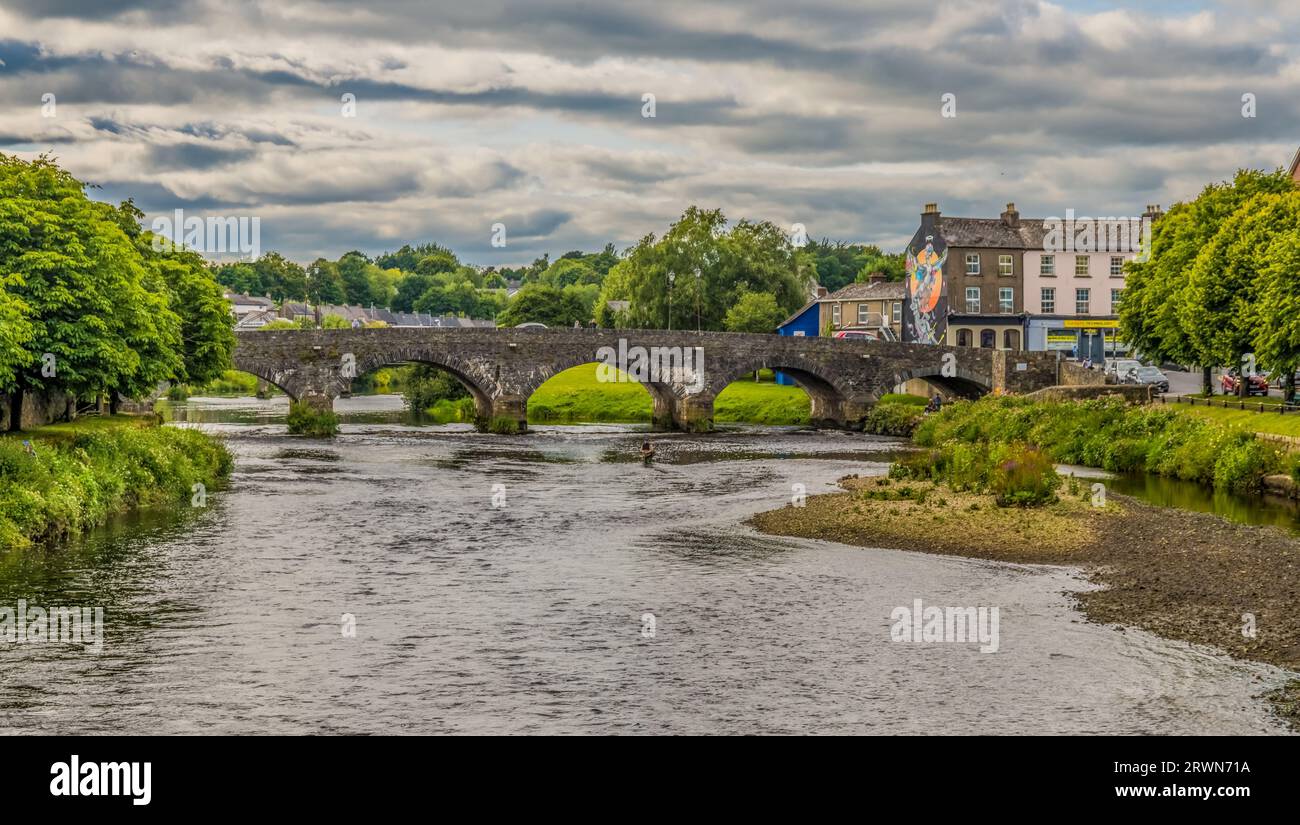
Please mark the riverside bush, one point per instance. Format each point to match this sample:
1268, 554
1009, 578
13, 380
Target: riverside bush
893, 418
304, 419
73, 484
1109, 434
1023, 477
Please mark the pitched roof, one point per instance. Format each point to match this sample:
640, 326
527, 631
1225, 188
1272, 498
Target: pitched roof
800, 311
1295, 165
993, 232
869, 291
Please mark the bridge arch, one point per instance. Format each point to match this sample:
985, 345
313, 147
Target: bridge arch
962, 382
831, 403
282, 380
456, 367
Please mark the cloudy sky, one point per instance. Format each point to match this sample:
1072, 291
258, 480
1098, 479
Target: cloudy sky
530, 113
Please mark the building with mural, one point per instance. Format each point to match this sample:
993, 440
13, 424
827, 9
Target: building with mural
1023, 283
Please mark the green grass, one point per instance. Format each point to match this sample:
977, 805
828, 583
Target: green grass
1112, 435
575, 395
65, 430
904, 398
81, 473
1258, 422
762, 403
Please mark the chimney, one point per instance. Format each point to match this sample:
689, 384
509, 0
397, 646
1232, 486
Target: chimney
822, 291
929, 221
1011, 217
876, 278
1153, 211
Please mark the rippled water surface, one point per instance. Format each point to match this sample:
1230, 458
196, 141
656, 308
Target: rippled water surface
528, 617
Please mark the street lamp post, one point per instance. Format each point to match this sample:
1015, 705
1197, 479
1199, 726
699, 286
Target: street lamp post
697, 299
671, 277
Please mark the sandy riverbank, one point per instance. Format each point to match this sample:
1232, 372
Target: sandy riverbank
1182, 575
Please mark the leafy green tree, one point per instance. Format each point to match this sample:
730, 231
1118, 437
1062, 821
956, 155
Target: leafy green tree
1277, 333
282, 279
15, 333
709, 267
324, 284
755, 312
99, 319
437, 262
1221, 306
409, 290
569, 271
542, 304
1152, 313
332, 321
354, 271
408, 257
206, 324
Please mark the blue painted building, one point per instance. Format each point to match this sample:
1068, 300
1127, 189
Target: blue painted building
802, 324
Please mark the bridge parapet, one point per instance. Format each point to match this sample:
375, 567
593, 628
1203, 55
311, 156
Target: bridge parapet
501, 368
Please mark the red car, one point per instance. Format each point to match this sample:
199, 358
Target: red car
1255, 384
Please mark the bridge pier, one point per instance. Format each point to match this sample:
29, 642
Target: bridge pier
831, 412
318, 401
508, 413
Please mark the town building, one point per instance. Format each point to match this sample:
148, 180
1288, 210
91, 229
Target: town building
1015, 283
874, 307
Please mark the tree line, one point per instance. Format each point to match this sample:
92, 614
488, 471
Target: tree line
88, 306
1221, 285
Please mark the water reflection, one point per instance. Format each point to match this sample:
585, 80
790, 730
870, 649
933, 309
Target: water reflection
1275, 511
525, 615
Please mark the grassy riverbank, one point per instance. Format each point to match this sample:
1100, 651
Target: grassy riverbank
1108, 434
576, 396
79, 474
1287, 424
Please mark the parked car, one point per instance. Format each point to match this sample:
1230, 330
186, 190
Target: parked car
1255, 384
1119, 367
1278, 380
1151, 376
858, 334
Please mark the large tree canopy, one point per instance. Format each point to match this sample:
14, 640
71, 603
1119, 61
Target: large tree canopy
86, 305
1156, 310
702, 268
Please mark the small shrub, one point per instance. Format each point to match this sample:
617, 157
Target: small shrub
304, 419
1025, 477
893, 419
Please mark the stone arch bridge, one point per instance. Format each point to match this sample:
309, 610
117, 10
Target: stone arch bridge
501, 368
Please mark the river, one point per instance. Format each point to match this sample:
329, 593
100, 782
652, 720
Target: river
526, 612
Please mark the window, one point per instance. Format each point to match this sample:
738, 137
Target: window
1049, 300
1006, 300
1117, 267
1114, 299
972, 299
1081, 266
1047, 266
988, 339
898, 312
1081, 301
863, 315
1011, 339
1004, 265
972, 263
835, 314
963, 338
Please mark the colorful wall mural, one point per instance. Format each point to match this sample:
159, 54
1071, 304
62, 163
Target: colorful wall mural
925, 314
